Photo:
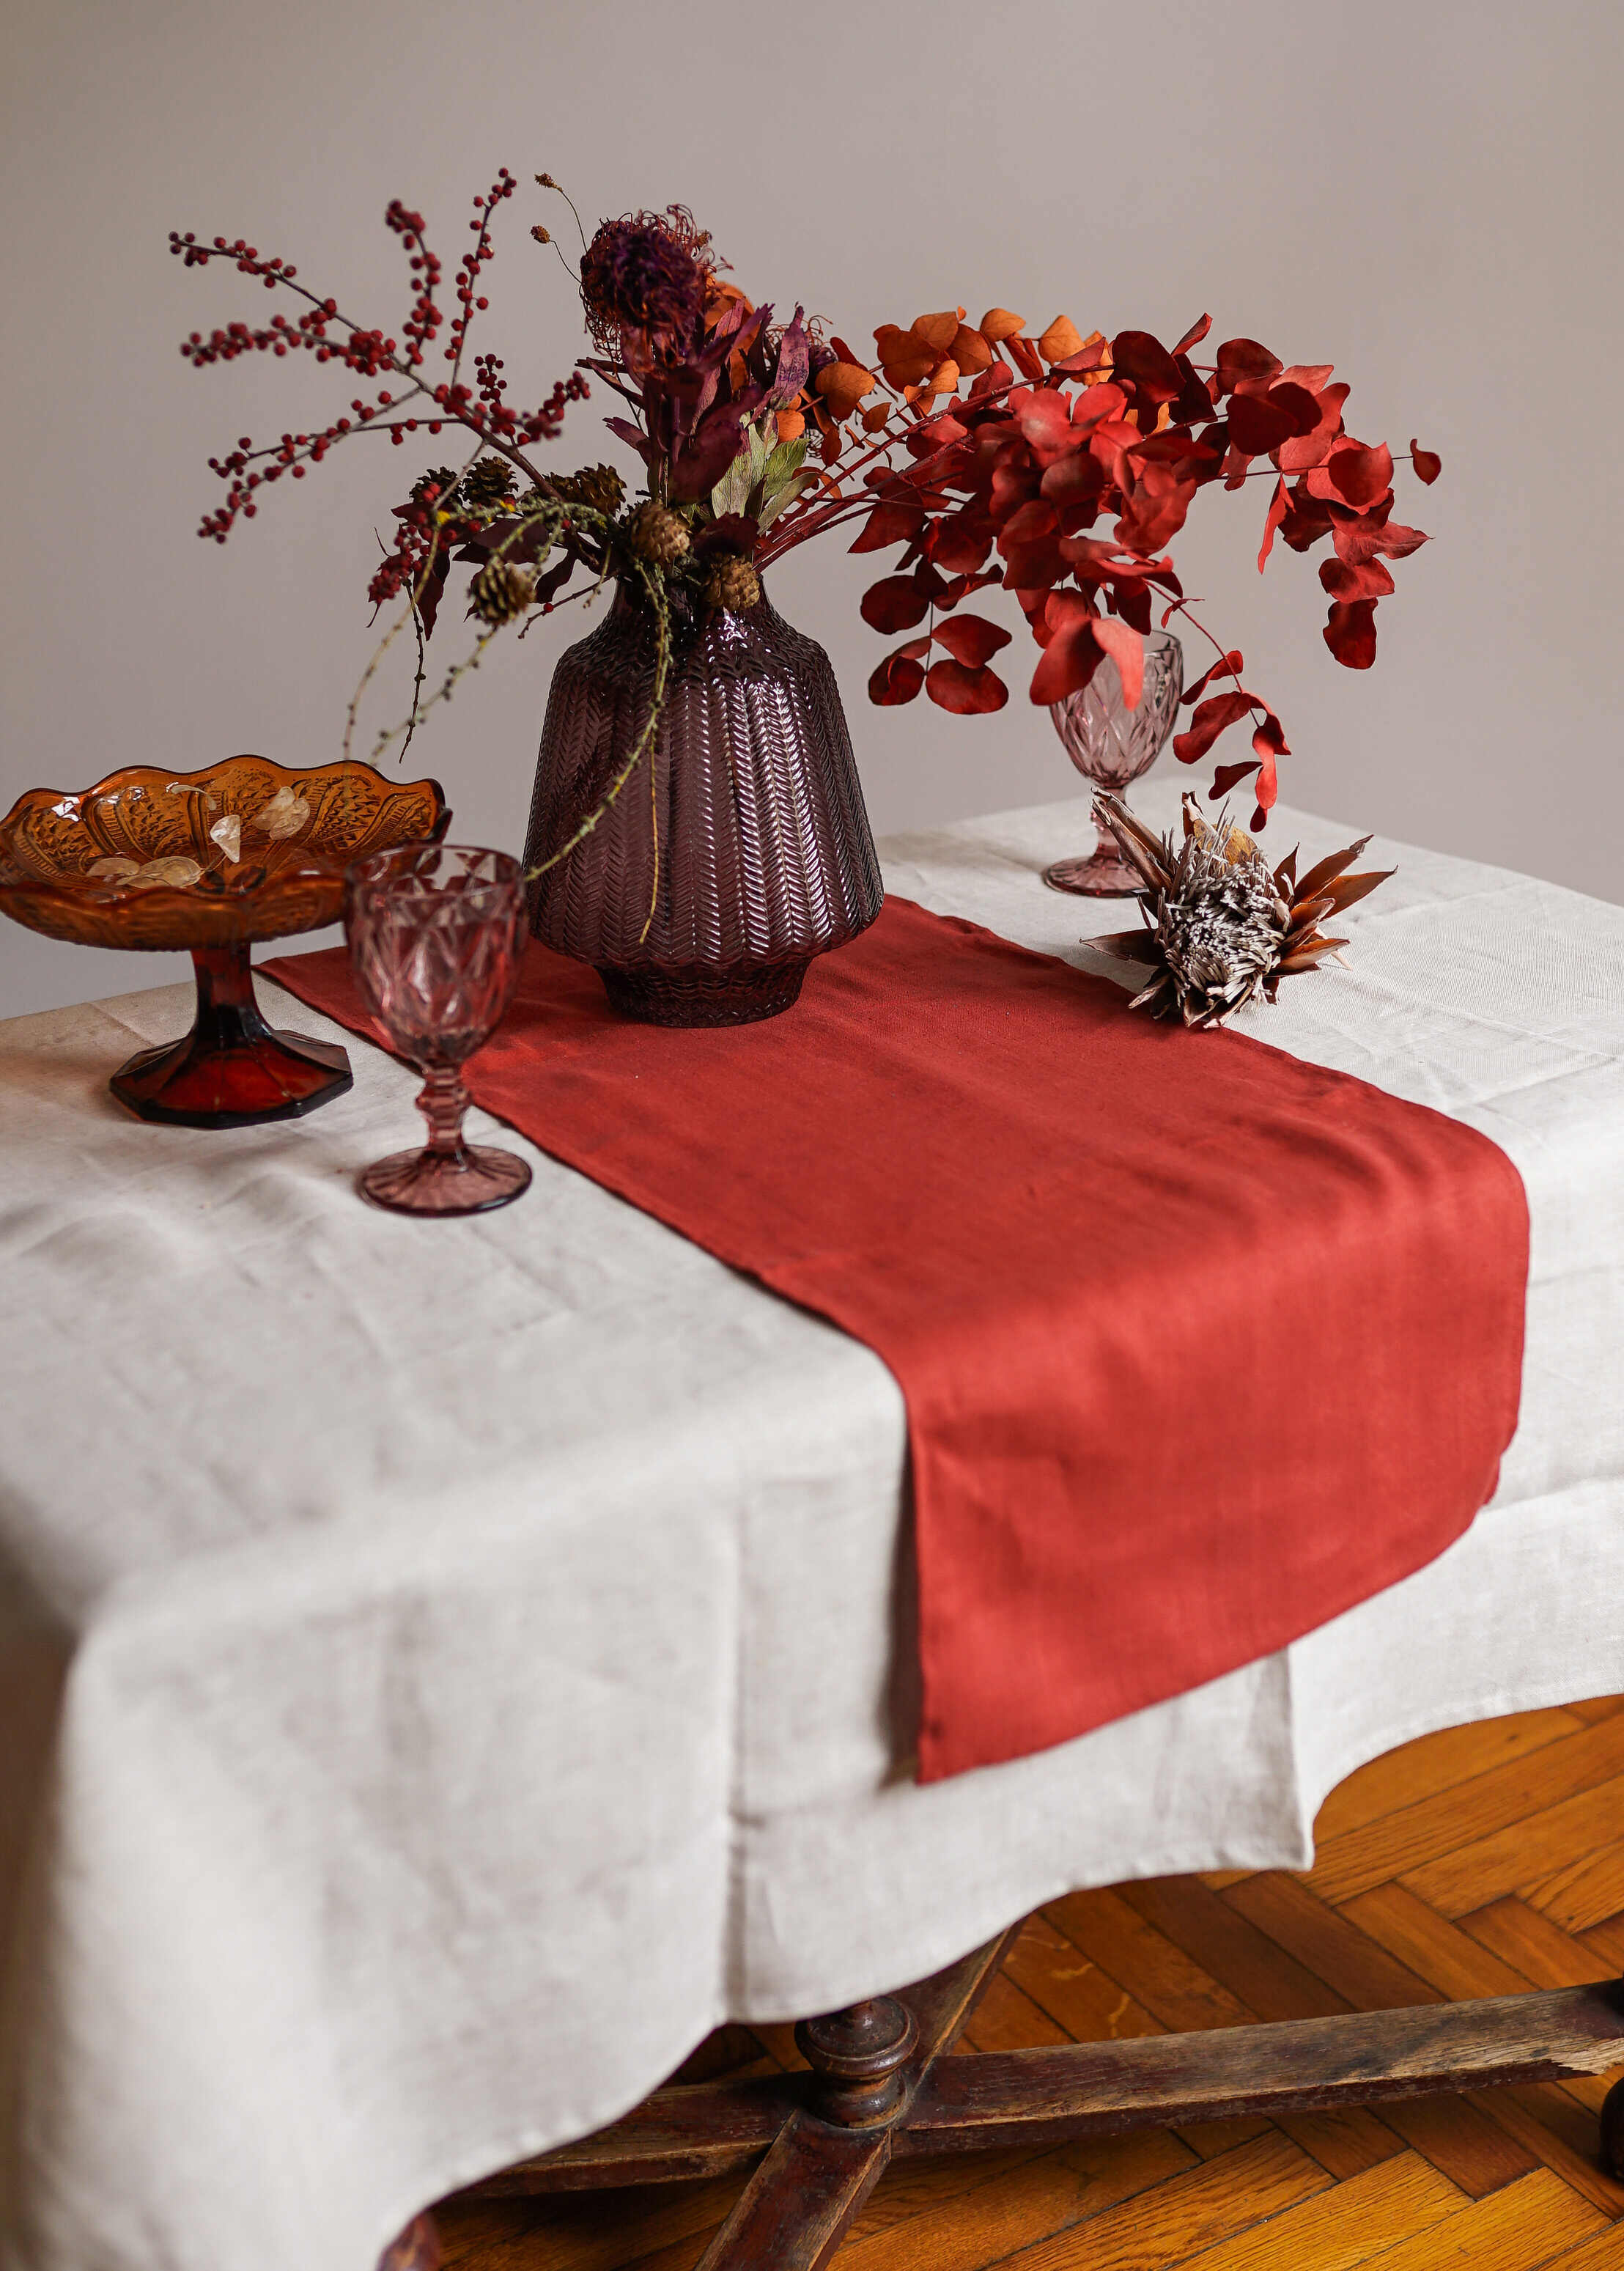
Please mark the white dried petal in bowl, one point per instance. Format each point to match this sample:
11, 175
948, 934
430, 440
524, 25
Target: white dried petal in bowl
175, 874
113, 869
227, 834
285, 816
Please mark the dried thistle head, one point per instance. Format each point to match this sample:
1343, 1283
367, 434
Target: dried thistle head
642, 283
1220, 924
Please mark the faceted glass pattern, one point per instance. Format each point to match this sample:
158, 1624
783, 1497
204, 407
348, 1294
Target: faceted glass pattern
436, 934
1111, 745
764, 854
210, 861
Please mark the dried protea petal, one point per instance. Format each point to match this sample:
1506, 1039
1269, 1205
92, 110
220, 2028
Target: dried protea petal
1221, 928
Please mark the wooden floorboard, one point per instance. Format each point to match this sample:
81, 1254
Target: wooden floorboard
1478, 1861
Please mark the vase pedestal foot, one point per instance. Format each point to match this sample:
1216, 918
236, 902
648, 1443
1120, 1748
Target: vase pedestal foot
697, 993
232, 1069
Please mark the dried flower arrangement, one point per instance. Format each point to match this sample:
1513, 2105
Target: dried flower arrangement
1051, 436
1220, 925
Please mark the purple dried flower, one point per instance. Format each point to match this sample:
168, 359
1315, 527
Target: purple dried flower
642, 283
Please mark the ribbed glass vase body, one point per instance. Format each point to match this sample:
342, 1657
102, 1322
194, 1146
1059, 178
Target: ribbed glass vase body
765, 857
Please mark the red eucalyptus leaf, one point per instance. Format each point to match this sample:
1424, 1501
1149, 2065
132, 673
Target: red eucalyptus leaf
1350, 633
1027, 524
888, 524
1071, 652
1228, 666
1428, 464
963, 544
1362, 475
1242, 359
1260, 422
1398, 541
1210, 720
1024, 355
898, 680
1194, 336
971, 639
1344, 580
968, 693
1227, 776
1091, 405
1140, 357
1077, 479
894, 604
1034, 567
1126, 650
1278, 509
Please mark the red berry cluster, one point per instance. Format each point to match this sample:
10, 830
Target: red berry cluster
331, 337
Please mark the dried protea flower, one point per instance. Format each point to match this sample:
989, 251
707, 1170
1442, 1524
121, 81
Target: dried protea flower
597, 486
732, 583
1220, 924
642, 283
501, 592
658, 534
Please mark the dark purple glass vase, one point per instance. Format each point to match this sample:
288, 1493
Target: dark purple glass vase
765, 857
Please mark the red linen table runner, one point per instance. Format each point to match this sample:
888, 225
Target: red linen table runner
1200, 1345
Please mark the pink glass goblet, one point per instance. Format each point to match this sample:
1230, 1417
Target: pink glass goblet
1111, 745
437, 932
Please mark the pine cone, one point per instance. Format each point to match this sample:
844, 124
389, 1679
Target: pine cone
597, 486
732, 583
501, 593
488, 482
656, 534
1220, 926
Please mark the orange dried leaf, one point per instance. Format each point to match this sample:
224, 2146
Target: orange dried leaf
843, 385
997, 325
970, 351
945, 377
937, 331
792, 425
1061, 340
875, 416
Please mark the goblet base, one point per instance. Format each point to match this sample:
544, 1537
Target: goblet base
698, 994
1095, 876
232, 1069
470, 1179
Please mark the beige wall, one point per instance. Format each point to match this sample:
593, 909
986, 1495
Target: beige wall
1429, 195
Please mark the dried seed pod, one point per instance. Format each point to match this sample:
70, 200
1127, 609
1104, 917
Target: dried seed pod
284, 815
176, 874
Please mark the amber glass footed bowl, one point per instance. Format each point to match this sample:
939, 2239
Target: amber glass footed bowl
210, 861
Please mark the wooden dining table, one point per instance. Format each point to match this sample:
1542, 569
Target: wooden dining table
449, 1667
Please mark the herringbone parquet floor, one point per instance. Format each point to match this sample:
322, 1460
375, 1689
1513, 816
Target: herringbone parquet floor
1479, 1861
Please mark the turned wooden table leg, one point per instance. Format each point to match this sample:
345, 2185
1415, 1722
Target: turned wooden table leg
858, 2055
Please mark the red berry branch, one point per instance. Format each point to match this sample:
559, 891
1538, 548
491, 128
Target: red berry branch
323, 331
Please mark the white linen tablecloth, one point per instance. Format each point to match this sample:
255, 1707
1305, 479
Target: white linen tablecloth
446, 1668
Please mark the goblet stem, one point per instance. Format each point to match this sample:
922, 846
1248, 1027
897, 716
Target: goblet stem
443, 1101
